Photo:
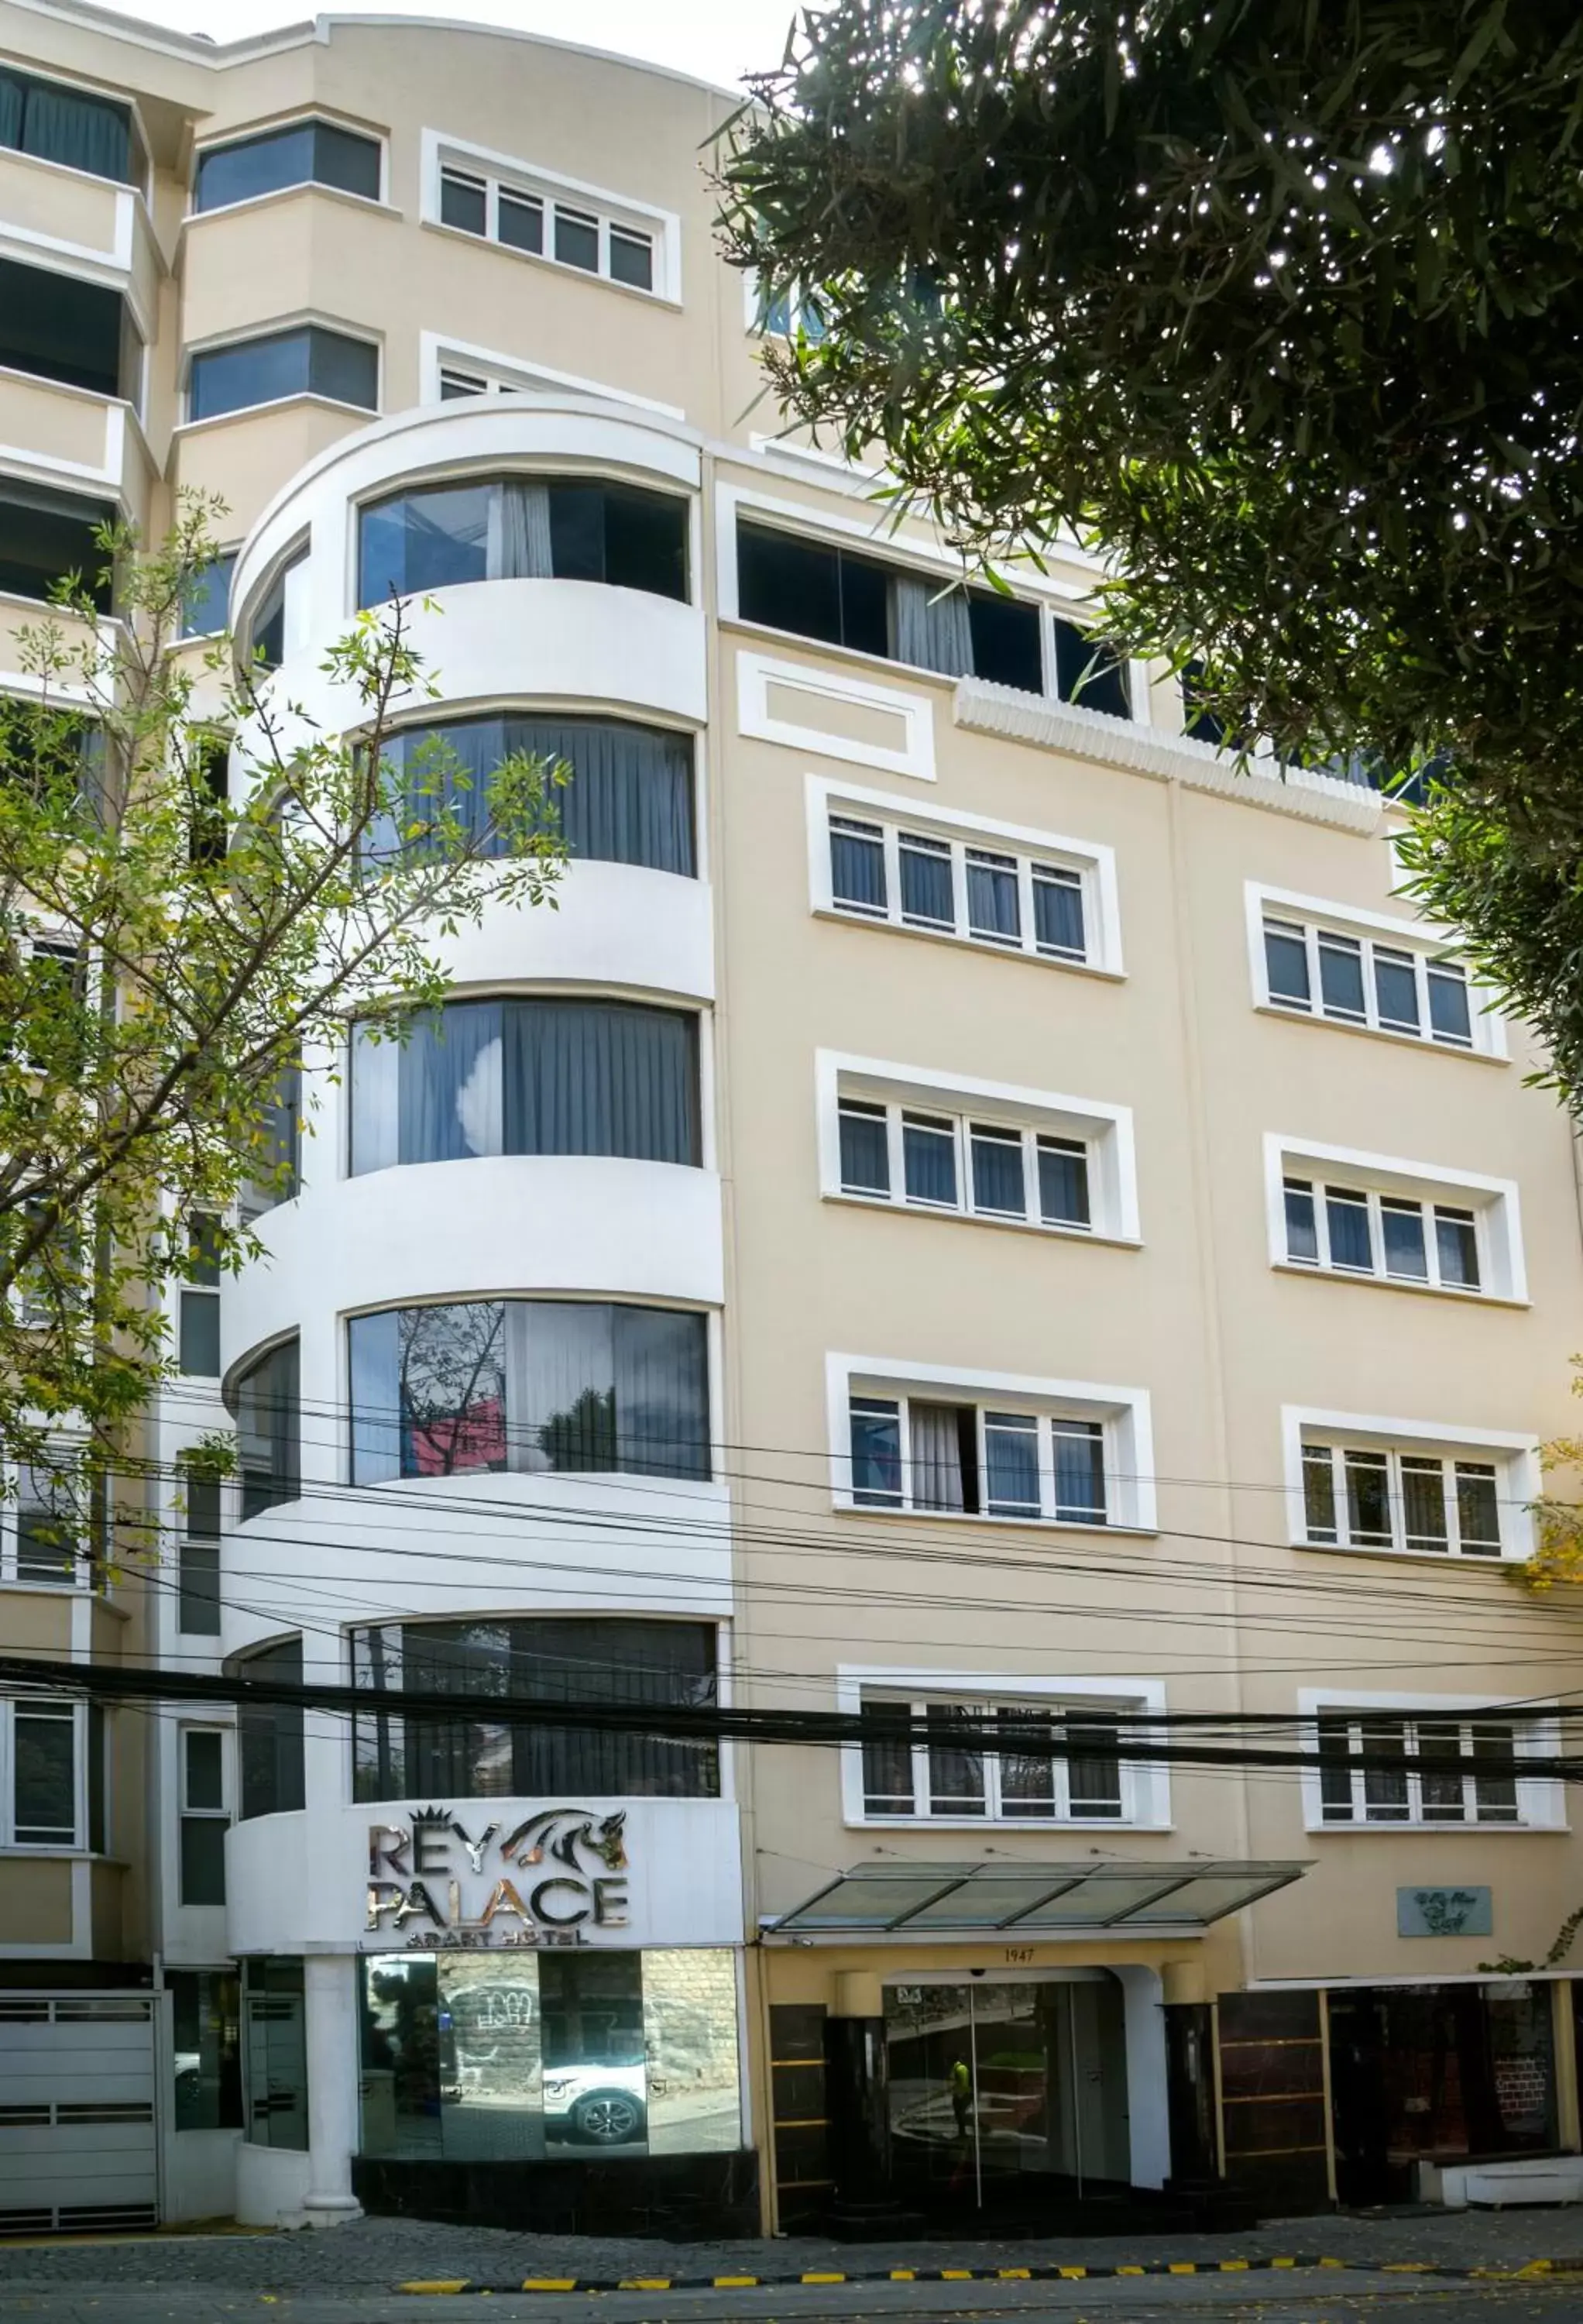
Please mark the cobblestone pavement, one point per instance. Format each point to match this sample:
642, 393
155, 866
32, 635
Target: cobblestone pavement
368, 2254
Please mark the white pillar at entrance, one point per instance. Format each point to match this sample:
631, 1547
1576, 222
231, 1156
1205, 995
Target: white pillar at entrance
330, 1992
1144, 1996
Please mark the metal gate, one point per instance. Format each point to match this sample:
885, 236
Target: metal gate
78, 2142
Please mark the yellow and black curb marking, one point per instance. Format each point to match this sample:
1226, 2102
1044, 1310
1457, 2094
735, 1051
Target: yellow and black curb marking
1046, 2275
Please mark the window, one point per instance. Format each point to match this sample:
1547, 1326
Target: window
264, 1400
205, 1816
570, 229
198, 1566
970, 1460
844, 598
1088, 673
301, 154
523, 528
198, 1324
46, 537
275, 2055
58, 326
206, 2007
795, 313
913, 877
278, 623
551, 1076
590, 1659
278, 1149
49, 1525
269, 1735
996, 1761
1429, 1770
532, 1386
206, 606
308, 361
75, 127
630, 798
1354, 1231
1367, 1497
1361, 980
208, 776
52, 1791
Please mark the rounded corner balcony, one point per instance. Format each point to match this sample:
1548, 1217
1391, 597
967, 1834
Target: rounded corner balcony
546, 552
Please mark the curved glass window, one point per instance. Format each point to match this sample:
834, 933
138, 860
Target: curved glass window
552, 1077
269, 1735
579, 1386
266, 1399
523, 529
630, 799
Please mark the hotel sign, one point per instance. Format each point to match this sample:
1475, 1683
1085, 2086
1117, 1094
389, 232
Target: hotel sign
554, 1877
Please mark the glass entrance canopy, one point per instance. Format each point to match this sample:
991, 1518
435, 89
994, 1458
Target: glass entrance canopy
935, 1899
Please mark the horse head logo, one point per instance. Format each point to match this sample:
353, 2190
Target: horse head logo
561, 1833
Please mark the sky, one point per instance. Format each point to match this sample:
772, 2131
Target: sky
715, 39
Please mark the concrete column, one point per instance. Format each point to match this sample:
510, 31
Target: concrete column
1148, 2117
330, 1994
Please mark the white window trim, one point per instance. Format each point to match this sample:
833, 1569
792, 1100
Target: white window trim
515, 374
295, 120
1092, 859
755, 673
1541, 1803
1424, 939
1106, 1130
1124, 1412
77, 1845
1518, 1478
81, 1584
281, 326
440, 150
1495, 1203
1146, 1788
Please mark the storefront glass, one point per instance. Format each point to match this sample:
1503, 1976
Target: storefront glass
206, 2010
514, 2056
274, 2012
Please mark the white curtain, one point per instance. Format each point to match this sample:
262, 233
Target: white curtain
928, 628
936, 1449
519, 543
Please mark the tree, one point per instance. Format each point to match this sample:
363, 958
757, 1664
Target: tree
1273, 307
171, 947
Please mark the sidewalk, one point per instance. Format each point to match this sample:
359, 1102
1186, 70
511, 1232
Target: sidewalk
393, 2254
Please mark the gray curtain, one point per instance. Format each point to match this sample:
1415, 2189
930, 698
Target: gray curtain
937, 1448
561, 1385
932, 630
662, 1392
600, 1077
450, 1081
522, 552
11, 110
85, 133
630, 797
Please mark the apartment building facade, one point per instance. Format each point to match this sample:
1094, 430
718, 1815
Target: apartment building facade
970, 1211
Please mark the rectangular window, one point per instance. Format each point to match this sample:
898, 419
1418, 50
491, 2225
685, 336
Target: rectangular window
533, 219
464, 202
74, 127
1445, 1769
43, 1774
299, 154
205, 1816
206, 606
918, 879
1357, 1498
275, 2053
843, 597
198, 1597
205, 2008
46, 537
998, 1761
908, 1453
198, 1326
308, 361
58, 326
1355, 1231
865, 1149
1088, 673
615, 1660
985, 1169
521, 222
1357, 980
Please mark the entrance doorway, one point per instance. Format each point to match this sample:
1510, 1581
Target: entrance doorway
1008, 2099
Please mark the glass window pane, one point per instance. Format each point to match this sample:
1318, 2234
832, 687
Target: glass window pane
865, 1150
998, 1172
1028, 1776
1093, 1772
256, 371
1495, 1795
49, 1524
993, 910
888, 1759
1423, 1504
1402, 1230
576, 239
255, 166
205, 1768
43, 1777
344, 369
595, 2049
1440, 1787
1063, 1183
1347, 1224
206, 2009
788, 584
1087, 673
343, 159
1058, 913
1335, 1771
631, 258
928, 1149
268, 1430
1005, 641
876, 1431
491, 2100
1286, 963
206, 605
1011, 1464
608, 1077
433, 538
1448, 1015
449, 1391
1386, 1794
203, 1859
1080, 1472
1341, 977
199, 1334
275, 2032
926, 893
199, 1603
271, 1777
1369, 1500
1395, 986
661, 1391
403, 2111
1456, 1249
956, 1768
1478, 1516
522, 222
1301, 1225
463, 201
857, 866
1319, 1492
943, 1445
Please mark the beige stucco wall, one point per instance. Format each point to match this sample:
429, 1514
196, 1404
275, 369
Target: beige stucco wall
35, 1901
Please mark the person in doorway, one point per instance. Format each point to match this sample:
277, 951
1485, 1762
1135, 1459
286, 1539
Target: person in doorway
961, 2096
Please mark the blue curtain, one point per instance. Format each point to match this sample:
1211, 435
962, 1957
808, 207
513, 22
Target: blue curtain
857, 868
11, 110
630, 797
449, 1083
84, 132
600, 1077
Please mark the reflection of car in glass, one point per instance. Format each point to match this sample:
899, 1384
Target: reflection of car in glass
606, 2104
189, 2074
